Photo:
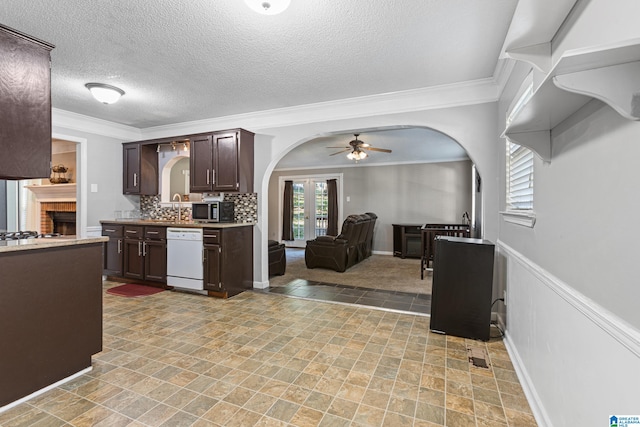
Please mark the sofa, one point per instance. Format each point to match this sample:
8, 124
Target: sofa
352, 245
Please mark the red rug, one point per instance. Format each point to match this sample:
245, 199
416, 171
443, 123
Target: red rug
133, 290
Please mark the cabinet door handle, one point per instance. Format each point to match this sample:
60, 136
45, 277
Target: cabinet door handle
119, 246
131, 231
144, 248
204, 255
152, 232
139, 249
208, 182
135, 179
109, 230
213, 176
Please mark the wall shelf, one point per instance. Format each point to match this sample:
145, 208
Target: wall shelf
608, 73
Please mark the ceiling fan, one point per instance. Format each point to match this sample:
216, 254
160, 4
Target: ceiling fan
357, 147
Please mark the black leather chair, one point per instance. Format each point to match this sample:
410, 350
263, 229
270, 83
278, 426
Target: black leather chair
277, 258
343, 251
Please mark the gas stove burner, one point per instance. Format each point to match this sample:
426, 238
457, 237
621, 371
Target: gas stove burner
19, 235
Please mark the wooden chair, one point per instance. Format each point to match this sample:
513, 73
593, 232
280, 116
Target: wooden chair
428, 235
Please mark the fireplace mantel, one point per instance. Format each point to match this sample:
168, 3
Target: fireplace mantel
54, 192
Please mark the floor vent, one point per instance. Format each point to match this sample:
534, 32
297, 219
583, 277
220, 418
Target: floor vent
478, 357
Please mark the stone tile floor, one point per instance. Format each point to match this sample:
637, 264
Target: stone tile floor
175, 359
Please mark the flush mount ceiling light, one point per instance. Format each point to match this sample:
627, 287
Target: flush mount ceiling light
106, 94
268, 7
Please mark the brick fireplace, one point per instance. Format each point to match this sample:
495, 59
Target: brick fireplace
55, 208
53, 218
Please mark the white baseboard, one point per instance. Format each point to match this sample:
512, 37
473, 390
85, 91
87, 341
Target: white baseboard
382, 253
260, 285
44, 390
95, 231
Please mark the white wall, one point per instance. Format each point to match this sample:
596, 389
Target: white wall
410, 194
573, 327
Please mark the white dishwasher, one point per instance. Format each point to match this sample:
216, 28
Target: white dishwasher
184, 258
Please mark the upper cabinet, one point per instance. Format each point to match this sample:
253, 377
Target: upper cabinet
140, 169
218, 162
222, 162
25, 103
201, 164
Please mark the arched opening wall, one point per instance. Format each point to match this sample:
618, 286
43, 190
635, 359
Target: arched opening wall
473, 127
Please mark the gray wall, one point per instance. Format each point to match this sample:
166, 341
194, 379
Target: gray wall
104, 169
573, 324
415, 193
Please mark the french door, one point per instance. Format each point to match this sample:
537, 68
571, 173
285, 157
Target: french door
310, 209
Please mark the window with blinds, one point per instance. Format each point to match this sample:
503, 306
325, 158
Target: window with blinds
519, 178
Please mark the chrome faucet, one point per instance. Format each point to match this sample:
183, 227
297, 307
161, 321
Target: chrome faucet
179, 205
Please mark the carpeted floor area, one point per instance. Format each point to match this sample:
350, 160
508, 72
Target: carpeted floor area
381, 272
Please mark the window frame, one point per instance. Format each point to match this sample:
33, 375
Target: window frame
519, 172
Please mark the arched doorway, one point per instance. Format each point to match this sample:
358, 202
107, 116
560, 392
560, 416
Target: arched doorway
428, 178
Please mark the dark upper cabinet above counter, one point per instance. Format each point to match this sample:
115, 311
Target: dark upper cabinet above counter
219, 161
222, 162
25, 106
140, 169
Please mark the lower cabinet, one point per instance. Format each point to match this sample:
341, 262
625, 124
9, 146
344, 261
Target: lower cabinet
228, 260
139, 252
145, 253
113, 249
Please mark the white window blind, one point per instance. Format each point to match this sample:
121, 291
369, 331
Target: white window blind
519, 177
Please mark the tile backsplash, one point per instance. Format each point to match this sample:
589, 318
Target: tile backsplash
245, 208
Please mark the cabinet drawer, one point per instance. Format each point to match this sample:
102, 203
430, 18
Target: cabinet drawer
212, 236
133, 231
112, 230
155, 233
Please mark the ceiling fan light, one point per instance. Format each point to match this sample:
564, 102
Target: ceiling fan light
106, 94
268, 7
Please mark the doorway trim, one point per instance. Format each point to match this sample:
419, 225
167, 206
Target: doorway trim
81, 182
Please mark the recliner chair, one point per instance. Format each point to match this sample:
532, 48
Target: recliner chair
343, 251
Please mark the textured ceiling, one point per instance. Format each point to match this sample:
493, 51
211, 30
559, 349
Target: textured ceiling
180, 60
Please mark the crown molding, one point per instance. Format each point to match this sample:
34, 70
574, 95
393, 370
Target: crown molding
82, 123
430, 98
436, 97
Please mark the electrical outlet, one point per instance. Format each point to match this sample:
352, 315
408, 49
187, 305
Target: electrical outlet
504, 296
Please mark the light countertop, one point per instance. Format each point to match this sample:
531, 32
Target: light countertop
49, 242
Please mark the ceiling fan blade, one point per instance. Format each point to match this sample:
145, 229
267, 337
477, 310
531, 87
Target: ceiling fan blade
341, 147
382, 150
341, 151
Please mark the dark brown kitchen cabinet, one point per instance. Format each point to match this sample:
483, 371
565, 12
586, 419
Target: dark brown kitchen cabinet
233, 161
201, 164
113, 249
228, 260
25, 103
145, 253
139, 169
222, 162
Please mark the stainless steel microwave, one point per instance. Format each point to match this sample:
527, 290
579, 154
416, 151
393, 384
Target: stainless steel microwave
212, 211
